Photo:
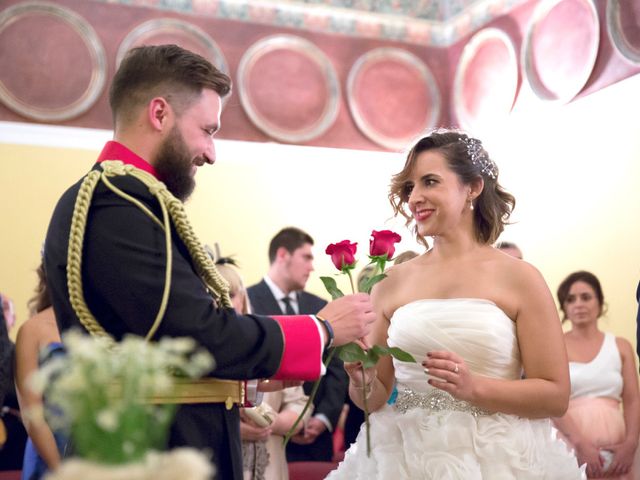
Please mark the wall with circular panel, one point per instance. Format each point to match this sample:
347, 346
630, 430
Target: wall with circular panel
300, 81
62, 76
623, 26
288, 88
171, 30
486, 79
560, 48
392, 96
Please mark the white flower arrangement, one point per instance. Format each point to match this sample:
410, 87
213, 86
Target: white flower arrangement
102, 396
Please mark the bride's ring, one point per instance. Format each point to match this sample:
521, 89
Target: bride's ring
456, 369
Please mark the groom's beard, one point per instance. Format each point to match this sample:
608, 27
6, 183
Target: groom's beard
174, 164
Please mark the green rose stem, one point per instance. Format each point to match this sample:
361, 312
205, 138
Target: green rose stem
352, 352
353, 290
312, 395
366, 411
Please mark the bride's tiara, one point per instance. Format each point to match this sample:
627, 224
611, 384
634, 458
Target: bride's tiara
479, 157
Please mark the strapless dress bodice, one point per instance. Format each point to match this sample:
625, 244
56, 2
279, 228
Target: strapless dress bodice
476, 329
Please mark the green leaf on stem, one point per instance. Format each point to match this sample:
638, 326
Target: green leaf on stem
401, 355
372, 358
352, 352
368, 284
380, 350
332, 287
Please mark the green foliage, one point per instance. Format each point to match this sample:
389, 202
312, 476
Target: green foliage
353, 352
332, 287
368, 284
101, 395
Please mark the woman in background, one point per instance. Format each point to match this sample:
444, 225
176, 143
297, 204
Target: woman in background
263, 453
603, 376
37, 337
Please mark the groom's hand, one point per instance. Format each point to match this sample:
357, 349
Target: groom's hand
351, 317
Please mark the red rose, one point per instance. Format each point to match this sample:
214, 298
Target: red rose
382, 243
342, 254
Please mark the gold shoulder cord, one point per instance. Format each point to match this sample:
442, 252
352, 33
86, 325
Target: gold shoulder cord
171, 207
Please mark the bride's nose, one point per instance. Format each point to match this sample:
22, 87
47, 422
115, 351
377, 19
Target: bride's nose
415, 198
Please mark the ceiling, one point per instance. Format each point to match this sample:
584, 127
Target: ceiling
421, 22
434, 10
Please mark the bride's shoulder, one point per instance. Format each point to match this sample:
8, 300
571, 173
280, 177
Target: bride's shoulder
400, 271
394, 284
517, 272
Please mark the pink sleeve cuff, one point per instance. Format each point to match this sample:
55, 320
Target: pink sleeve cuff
302, 355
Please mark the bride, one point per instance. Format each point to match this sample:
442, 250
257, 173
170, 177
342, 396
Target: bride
476, 320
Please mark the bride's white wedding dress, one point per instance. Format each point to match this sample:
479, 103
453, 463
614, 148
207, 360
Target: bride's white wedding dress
427, 434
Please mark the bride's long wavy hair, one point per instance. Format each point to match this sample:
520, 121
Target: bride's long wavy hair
492, 207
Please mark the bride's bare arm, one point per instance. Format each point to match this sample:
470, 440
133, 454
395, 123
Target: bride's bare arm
545, 390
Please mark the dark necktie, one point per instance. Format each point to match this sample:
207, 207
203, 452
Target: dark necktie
288, 309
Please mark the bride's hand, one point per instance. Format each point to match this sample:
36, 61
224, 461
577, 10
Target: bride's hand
450, 373
354, 371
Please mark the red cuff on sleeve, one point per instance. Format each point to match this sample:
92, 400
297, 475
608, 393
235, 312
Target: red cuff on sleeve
301, 358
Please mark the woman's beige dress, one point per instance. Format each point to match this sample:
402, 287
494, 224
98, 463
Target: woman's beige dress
267, 460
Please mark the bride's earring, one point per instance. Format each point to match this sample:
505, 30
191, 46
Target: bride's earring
470, 204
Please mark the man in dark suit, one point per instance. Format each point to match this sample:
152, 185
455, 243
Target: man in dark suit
282, 292
166, 104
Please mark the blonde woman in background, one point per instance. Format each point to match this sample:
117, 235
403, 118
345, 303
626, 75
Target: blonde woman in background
263, 453
603, 378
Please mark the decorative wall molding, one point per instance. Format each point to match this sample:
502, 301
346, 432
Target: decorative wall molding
549, 52
144, 34
485, 85
288, 88
438, 23
627, 46
393, 97
12, 16
350, 74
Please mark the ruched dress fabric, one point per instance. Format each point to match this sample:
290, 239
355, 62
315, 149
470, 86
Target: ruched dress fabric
595, 404
427, 434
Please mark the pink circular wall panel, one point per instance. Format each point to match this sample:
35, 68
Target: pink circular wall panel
288, 88
623, 26
486, 80
39, 85
159, 31
393, 97
560, 48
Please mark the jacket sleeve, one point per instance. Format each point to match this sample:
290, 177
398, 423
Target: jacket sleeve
124, 278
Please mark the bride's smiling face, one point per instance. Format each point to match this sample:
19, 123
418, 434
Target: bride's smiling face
437, 198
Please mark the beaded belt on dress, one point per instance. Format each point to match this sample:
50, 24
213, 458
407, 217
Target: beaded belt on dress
435, 401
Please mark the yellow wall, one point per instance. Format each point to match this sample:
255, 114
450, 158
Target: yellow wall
574, 170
